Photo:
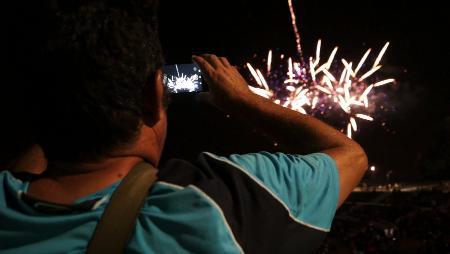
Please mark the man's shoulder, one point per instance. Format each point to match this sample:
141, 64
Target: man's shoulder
248, 194
206, 162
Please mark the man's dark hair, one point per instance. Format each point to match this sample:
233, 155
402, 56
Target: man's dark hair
95, 61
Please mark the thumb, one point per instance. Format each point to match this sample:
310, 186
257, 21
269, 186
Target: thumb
204, 97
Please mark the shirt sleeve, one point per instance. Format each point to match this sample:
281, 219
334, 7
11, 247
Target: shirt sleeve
308, 185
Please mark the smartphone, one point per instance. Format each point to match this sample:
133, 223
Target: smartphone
183, 78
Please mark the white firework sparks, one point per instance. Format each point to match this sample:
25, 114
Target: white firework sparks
182, 82
307, 85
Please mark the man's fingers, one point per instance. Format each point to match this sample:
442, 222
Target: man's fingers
204, 65
213, 60
225, 62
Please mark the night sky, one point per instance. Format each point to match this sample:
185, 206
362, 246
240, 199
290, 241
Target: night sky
413, 143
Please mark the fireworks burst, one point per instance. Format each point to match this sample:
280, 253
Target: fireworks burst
318, 85
182, 82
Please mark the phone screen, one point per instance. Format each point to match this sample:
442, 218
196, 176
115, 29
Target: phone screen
183, 78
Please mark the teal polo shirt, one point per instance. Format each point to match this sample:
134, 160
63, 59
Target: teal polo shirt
254, 203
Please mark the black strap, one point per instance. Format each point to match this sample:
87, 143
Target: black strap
117, 223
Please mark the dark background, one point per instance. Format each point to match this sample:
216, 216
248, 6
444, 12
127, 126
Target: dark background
413, 145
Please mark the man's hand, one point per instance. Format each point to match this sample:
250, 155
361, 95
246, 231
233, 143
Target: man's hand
226, 85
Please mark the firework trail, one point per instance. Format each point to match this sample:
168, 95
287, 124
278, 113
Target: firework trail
318, 85
295, 27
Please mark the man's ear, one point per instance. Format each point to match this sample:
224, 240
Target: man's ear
153, 97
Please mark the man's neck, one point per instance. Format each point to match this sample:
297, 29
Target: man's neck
79, 180
65, 183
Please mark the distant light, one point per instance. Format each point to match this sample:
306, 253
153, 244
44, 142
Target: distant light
372, 168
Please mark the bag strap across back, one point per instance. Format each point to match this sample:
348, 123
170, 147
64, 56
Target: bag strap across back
117, 223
